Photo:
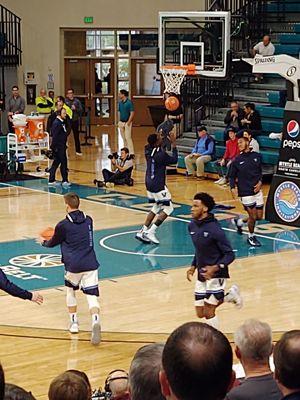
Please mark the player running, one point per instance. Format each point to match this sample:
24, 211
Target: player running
246, 173
157, 160
213, 255
74, 234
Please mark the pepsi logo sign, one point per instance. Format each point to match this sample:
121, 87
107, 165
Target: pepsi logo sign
292, 128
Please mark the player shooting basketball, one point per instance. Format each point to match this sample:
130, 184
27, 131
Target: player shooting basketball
157, 160
213, 255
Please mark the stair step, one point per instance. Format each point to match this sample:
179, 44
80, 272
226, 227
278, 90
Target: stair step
287, 38
290, 49
283, 7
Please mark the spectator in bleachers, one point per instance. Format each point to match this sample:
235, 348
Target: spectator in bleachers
253, 341
251, 120
264, 48
287, 364
231, 152
203, 152
233, 118
196, 364
143, 374
69, 386
14, 392
2, 383
253, 143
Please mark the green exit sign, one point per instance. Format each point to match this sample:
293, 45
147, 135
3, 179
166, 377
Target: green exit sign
88, 20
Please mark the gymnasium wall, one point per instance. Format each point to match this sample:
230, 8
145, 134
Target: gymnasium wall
41, 22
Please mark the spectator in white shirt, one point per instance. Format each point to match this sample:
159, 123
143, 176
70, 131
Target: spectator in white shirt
253, 143
264, 49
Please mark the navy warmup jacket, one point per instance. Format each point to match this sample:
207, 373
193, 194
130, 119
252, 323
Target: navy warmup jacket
13, 289
247, 170
211, 245
157, 160
75, 236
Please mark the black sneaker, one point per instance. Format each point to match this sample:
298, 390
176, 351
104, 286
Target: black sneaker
239, 228
253, 241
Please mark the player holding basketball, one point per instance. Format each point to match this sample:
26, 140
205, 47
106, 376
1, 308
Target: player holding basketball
74, 234
14, 290
157, 160
213, 255
246, 173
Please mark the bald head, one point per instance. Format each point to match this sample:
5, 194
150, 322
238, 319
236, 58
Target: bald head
287, 360
194, 355
118, 383
254, 341
266, 40
43, 92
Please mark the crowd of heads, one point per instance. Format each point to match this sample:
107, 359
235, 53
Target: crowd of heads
196, 362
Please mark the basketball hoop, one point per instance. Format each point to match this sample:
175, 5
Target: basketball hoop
174, 75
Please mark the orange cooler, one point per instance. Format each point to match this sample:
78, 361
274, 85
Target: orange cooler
20, 131
36, 126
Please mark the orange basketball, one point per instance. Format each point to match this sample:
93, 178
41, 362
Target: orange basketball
172, 103
47, 233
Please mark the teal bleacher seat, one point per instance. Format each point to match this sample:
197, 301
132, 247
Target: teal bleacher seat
290, 49
276, 97
297, 28
3, 144
289, 38
272, 126
270, 112
285, 6
267, 143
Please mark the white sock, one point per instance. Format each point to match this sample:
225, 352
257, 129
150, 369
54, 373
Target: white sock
153, 228
251, 235
144, 228
73, 317
240, 222
214, 322
95, 318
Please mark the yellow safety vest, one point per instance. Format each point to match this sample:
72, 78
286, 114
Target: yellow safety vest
43, 100
69, 111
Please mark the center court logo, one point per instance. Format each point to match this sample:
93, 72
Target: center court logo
287, 201
292, 128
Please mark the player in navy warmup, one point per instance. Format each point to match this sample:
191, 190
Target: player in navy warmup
157, 160
246, 174
14, 290
74, 234
213, 255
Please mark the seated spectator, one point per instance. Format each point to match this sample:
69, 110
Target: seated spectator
118, 385
69, 386
233, 118
253, 143
251, 120
14, 392
143, 374
287, 364
202, 152
231, 152
264, 48
196, 364
2, 383
254, 346
122, 169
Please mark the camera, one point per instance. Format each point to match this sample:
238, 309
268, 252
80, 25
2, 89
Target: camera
113, 156
100, 395
48, 154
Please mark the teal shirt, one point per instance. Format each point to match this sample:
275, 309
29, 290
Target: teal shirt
125, 108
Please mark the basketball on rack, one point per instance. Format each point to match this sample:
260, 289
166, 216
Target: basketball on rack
172, 103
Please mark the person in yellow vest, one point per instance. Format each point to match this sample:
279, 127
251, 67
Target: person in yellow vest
59, 104
44, 104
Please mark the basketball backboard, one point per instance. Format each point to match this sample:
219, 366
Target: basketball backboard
200, 38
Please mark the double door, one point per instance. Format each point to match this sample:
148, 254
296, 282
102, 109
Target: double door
94, 84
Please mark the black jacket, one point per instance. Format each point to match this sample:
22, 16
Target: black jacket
228, 120
75, 236
211, 245
157, 160
255, 121
246, 172
13, 289
59, 135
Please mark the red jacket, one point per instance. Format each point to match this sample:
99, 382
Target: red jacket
232, 149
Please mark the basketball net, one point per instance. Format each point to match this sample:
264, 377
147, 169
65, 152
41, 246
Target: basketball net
173, 77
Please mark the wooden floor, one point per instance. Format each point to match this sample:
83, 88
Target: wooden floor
34, 343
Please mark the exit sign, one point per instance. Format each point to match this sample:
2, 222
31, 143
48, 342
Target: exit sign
88, 20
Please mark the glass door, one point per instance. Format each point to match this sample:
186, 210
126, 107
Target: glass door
77, 78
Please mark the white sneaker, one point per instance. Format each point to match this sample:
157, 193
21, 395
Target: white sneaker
141, 236
51, 184
66, 184
222, 181
96, 333
218, 181
109, 184
78, 154
74, 327
152, 237
234, 296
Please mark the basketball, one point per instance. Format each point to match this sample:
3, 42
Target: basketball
172, 103
47, 233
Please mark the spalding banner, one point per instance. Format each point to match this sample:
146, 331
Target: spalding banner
283, 204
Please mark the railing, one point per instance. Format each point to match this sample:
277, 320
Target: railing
201, 97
